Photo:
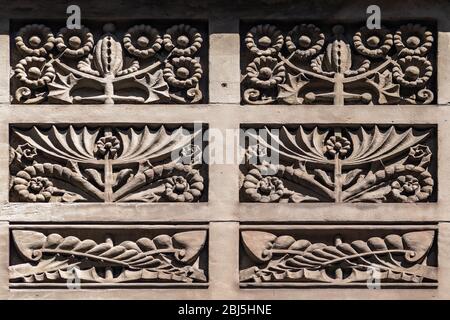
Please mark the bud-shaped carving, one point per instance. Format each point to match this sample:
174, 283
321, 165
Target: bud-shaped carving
338, 57
108, 56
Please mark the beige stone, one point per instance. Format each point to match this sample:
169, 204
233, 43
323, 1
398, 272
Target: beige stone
171, 98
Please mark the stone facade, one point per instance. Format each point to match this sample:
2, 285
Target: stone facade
111, 171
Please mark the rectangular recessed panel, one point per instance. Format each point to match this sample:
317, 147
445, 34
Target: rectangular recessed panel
300, 163
110, 62
371, 256
338, 64
99, 163
89, 256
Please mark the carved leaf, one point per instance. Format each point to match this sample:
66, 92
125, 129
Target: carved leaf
378, 195
68, 144
71, 197
389, 92
289, 91
95, 177
151, 145
45, 269
152, 194
381, 144
351, 176
323, 176
122, 177
79, 144
156, 87
256, 244
60, 88
300, 145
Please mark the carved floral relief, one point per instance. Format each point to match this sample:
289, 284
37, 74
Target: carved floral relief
77, 256
137, 65
106, 164
340, 164
338, 255
338, 65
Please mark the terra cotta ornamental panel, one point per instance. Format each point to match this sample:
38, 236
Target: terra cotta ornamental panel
86, 163
306, 63
112, 255
332, 255
113, 63
332, 163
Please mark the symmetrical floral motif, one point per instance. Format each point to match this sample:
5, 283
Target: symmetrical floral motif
297, 256
67, 164
340, 164
51, 258
74, 67
381, 66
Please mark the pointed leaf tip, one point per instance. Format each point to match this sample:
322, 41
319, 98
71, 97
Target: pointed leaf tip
419, 242
28, 241
191, 241
256, 242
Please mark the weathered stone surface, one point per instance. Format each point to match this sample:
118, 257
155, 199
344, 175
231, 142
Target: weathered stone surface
306, 65
121, 164
367, 256
222, 211
132, 65
338, 164
69, 256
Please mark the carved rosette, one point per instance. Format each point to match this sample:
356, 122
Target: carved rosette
339, 164
380, 66
74, 43
49, 69
150, 256
68, 164
305, 256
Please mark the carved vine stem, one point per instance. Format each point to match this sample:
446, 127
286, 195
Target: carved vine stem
338, 170
339, 80
109, 176
339, 274
108, 83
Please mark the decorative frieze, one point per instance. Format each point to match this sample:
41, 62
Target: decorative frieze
331, 163
75, 256
306, 63
85, 163
131, 64
371, 256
